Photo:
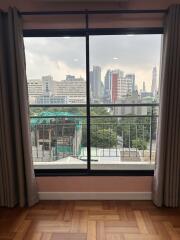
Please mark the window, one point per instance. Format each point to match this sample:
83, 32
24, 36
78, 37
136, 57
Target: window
107, 122
124, 78
57, 96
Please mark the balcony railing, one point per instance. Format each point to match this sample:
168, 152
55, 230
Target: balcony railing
60, 137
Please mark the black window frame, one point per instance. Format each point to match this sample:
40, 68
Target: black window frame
87, 33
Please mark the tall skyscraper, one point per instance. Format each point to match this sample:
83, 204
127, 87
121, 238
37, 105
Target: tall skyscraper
95, 82
114, 89
107, 86
91, 84
154, 81
144, 87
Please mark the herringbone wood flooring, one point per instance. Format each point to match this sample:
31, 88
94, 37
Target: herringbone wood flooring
90, 220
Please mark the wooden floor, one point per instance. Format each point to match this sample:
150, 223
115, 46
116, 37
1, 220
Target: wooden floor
90, 220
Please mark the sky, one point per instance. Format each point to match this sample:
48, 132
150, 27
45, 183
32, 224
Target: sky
66, 55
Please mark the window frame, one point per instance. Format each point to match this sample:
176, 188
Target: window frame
87, 33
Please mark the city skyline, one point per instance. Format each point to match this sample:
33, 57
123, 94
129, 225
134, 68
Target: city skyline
62, 56
117, 86
153, 83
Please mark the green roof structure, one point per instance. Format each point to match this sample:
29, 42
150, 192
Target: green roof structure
48, 117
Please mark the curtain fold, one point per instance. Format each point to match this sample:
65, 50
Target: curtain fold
17, 180
166, 187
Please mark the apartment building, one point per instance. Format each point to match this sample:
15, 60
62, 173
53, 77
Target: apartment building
47, 91
74, 89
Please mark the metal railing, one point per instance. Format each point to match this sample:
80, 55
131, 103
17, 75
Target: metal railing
115, 138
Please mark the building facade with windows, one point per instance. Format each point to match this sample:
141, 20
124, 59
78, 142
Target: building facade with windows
47, 91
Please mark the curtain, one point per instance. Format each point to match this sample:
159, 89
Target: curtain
17, 180
166, 187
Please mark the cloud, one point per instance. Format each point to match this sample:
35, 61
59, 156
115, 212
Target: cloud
135, 50
60, 56
136, 54
55, 56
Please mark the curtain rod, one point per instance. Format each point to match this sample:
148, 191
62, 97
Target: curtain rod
88, 12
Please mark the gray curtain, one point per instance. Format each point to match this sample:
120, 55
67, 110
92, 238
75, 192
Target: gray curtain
17, 180
166, 187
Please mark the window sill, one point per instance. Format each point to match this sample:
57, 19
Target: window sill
122, 169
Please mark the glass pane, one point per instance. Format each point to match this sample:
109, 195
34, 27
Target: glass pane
56, 70
56, 75
124, 78
125, 68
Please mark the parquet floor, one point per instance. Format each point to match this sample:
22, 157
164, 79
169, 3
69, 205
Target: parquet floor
90, 220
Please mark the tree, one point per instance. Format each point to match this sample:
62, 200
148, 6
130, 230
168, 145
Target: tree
133, 128
139, 144
103, 138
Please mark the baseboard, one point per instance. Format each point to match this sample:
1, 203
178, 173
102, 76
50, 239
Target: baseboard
95, 195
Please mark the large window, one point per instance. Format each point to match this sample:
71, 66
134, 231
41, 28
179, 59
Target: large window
97, 113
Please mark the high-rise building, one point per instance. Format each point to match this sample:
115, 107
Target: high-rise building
123, 88
130, 83
95, 82
107, 86
46, 90
40, 87
34, 89
91, 80
154, 81
47, 85
144, 87
73, 90
114, 86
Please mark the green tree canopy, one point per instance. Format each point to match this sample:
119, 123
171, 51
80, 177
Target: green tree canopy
139, 144
103, 138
